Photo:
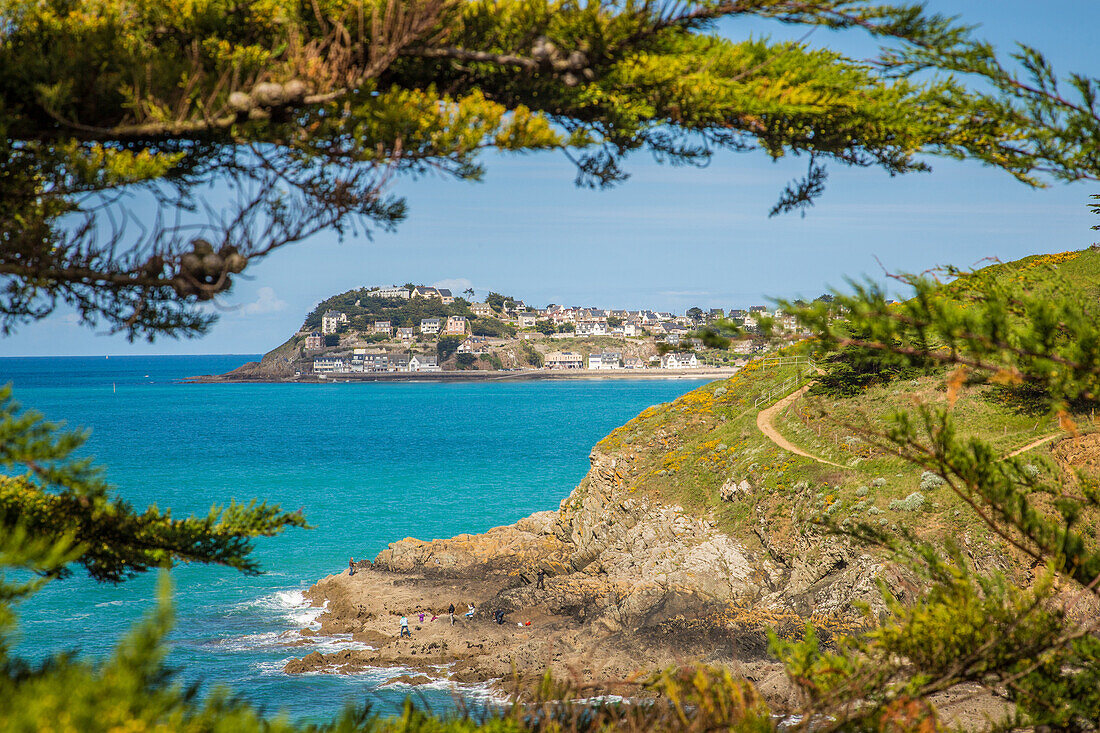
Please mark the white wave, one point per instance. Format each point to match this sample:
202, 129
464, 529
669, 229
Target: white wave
281, 640
290, 605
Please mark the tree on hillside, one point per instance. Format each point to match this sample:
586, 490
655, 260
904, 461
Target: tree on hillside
151, 152
446, 346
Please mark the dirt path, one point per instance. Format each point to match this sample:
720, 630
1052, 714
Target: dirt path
764, 422
1033, 444
765, 417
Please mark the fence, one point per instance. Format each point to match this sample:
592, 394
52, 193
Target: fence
781, 361
778, 361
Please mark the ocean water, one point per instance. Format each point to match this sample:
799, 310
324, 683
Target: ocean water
367, 463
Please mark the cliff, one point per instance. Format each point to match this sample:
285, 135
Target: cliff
694, 533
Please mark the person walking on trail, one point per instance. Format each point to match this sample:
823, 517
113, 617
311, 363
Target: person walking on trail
541, 584
351, 566
421, 617
404, 628
451, 611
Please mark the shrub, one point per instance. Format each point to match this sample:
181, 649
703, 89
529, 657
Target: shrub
879, 482
862, 491
930, 481
913, 502
534, 358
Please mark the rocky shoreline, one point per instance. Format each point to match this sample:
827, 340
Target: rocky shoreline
632, 586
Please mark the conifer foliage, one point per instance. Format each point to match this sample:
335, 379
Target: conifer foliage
236, 128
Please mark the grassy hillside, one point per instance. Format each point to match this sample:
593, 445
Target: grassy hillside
685, 451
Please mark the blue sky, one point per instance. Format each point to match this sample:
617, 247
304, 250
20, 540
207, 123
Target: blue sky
669, 238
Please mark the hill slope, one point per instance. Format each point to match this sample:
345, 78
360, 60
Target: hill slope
694, 532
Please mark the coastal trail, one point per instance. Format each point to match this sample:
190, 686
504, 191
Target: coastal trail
1033, 444
764, 422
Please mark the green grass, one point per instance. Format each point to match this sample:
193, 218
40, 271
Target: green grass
684, 451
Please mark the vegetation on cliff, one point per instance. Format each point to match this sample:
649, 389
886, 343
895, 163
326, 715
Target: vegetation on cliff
363, 310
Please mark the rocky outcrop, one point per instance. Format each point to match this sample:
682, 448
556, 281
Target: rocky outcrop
631, 583
520, 547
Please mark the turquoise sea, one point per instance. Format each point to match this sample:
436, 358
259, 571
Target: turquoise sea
368, 464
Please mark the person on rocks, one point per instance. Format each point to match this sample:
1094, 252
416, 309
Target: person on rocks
499, 616
451, 611
351, 566
404, 628
470, 611
541, 583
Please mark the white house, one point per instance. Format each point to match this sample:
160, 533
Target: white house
564, 360
329, 365
405, 334
481, 309
591, 328
332, 320
633, 362
527, 319
423, 291
424, 363
630, 329
608, 360
431, 326
392, 292
679, 360
383, 327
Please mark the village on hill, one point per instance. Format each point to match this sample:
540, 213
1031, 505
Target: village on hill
415, 328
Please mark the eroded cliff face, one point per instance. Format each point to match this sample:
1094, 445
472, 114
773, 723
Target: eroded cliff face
658, 549
632, 584
623, 562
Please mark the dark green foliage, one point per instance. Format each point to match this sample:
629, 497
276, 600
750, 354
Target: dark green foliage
466, 361
332, 339
853, 369
401, 313
489, 326
532, 355
546, 327
446, 346
498, 301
